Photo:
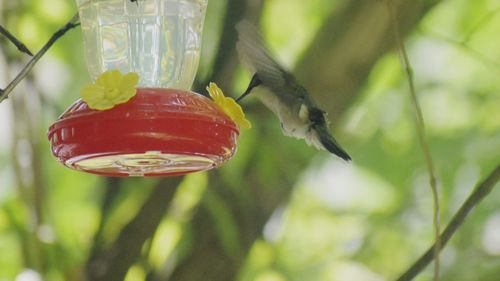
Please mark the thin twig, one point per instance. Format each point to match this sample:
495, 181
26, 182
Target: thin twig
487, 18
20, 46
420, 124
462, 45
481, 191
4, 94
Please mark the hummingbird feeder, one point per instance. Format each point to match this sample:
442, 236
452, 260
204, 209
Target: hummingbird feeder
146, 122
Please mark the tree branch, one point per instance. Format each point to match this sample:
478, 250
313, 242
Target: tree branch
465, 47
420, 124
353, 38
225, 62
112, 188
4, 94
481, 191
486, 19
20, 46
114, 263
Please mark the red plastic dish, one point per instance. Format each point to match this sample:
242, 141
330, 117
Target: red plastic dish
159, 132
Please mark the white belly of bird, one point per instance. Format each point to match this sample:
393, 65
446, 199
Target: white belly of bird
293, 122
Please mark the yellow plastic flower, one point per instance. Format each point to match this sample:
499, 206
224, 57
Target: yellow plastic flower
229, 106
111, 88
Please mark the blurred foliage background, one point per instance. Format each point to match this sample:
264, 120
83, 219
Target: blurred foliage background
280, 210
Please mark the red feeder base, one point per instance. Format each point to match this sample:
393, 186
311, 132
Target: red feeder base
159, 132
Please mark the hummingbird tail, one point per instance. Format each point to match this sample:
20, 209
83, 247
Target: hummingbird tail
330, 144
336, 149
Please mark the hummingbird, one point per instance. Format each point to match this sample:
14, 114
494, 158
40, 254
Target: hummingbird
280, 91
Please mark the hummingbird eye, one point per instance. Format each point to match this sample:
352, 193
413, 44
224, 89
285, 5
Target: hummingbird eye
317, 116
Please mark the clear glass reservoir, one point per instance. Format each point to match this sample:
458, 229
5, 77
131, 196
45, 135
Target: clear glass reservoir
158, 39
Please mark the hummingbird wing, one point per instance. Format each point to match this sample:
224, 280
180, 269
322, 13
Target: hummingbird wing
258, 59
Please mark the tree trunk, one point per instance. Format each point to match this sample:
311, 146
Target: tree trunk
114, 262
350, 42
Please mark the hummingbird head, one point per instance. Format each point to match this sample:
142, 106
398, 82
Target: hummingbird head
317, 116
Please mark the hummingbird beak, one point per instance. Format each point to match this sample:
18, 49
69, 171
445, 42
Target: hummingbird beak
255, 82
244, 95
